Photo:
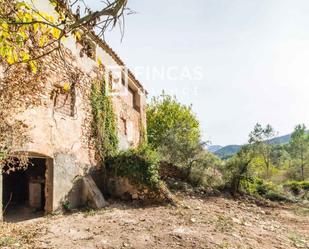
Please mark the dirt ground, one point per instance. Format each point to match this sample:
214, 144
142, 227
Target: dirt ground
213, 222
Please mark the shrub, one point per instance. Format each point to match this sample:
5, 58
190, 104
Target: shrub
305, 185
238, 170
275, 196
297, 186
257, 186
140, 166
262, 188
206, 177
266, 189
293, 186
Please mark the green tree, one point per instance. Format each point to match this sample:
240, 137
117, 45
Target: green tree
299, 148
174, 130
239, 168
28, 34
206, 170
260, 139
280, 156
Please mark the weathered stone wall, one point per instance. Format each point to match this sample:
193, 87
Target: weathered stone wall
135, 120
65, 138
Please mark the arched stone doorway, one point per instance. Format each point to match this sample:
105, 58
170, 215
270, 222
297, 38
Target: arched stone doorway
28, 193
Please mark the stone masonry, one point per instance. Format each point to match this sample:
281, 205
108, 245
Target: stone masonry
59, 128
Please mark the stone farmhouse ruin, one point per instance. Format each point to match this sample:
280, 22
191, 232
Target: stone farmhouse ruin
58, 148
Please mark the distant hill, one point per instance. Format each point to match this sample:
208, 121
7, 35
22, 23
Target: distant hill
281, 140
229, 150
214, 148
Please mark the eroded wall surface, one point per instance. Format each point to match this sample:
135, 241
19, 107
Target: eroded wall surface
65, 138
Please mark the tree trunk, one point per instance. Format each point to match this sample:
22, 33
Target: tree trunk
302, 172
302, 165
267, 170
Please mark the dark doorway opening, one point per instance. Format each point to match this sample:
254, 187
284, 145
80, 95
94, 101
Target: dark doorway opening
24, 191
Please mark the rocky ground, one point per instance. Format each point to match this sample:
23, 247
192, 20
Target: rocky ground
213, 222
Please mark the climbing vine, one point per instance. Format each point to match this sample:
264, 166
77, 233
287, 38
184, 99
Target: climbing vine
143, 133
104, 129
140, 165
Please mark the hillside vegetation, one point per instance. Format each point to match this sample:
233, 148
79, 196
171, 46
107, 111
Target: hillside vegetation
225, 152
258, 198
271, 167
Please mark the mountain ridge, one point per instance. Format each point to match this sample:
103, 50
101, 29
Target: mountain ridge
214, 148
225, 152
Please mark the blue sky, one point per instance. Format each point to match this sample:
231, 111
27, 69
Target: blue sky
253, 56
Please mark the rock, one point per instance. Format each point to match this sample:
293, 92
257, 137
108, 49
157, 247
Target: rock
92, 194
235, 220
236, 236
193, 220
125, 244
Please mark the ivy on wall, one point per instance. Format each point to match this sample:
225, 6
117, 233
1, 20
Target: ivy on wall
143, 133
140, 165
104, 127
